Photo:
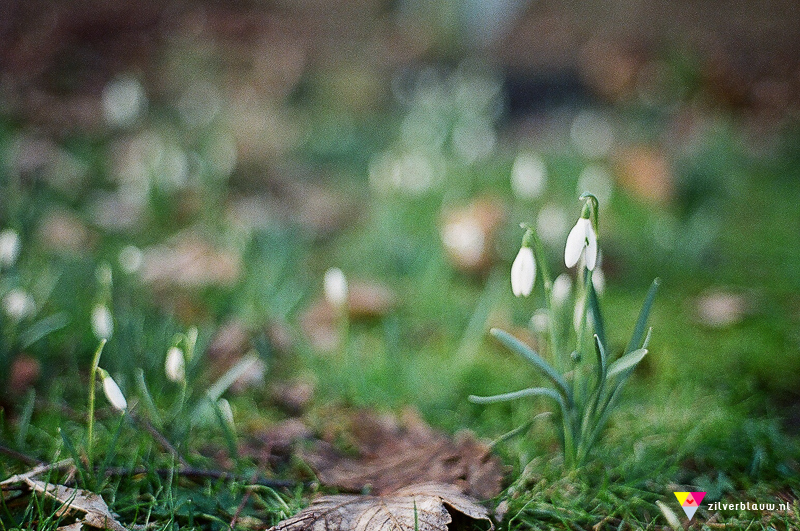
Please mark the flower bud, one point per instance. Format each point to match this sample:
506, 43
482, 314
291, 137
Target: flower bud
112, 391
102, 322
175, 366
9, 247
581, 237
523, 272
335, 286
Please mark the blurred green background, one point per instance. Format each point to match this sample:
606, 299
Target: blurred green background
220, 156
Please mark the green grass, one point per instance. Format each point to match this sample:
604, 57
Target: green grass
709, 409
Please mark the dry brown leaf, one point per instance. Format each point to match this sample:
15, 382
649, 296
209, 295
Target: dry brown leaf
96, 511
417, 507
190, 261
394, 454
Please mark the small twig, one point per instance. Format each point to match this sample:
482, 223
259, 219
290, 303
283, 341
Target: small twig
19, 456
245, 499
198, 473
21, 478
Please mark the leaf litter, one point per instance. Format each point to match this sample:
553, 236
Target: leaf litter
420, 507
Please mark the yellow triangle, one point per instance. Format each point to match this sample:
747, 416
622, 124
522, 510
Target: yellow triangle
682, 497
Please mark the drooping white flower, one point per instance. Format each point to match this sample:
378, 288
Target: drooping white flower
335, 286
175, 366
523, 272
562, 287
18, 304
102, 322
9, 247
112, 391
581, 237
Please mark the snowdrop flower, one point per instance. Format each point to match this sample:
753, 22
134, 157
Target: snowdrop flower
9, 247
175, 366
581, 237
562, 287
102, 321
112, 391
523, 272
335, 285
18, 304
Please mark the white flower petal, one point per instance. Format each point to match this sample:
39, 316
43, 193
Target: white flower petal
102, 322
562, 287
335, 286
523, 273
591, 246
575, 242
174, 366
114, 394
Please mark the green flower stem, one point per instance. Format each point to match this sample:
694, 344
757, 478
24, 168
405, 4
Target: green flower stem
547, 280
92, 380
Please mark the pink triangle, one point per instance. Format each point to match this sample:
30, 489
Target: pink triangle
698, 497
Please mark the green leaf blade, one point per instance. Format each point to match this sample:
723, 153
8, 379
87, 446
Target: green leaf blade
626, 362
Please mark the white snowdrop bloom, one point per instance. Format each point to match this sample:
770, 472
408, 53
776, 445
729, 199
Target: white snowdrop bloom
226, 410
102, 322
335, 286
523, 272
124, 100
581, 237
113, 392
562, 287
465, 239
540, 321
9, 247
528, 176
18, 304
131, 258
175, 366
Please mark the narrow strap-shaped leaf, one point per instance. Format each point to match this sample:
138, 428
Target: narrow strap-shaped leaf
628, 361
531, 391
641, 322
526, 352
597, 315
602, 359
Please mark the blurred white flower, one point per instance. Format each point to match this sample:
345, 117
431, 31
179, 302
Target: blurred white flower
523, 272
18, 304
562, 287
226, 411
124, 101
540, 321
102, 322
113, 392
175, 366
335, 286
528, 176
131, 258
9, 247
581, 237
599, 280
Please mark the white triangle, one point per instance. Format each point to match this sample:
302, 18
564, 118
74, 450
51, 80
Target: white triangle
690, 510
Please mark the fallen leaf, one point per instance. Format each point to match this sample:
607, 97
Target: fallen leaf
190, 261
23, 374
394, 454
418, 507
96, 511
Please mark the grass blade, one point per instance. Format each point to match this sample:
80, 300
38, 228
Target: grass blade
626, 362
531, 391
526, 352
641, 322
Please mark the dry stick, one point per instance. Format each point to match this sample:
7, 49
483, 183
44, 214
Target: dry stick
245, 499
144, 423
19, 456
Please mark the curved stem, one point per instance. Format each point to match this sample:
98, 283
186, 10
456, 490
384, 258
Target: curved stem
92, 380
